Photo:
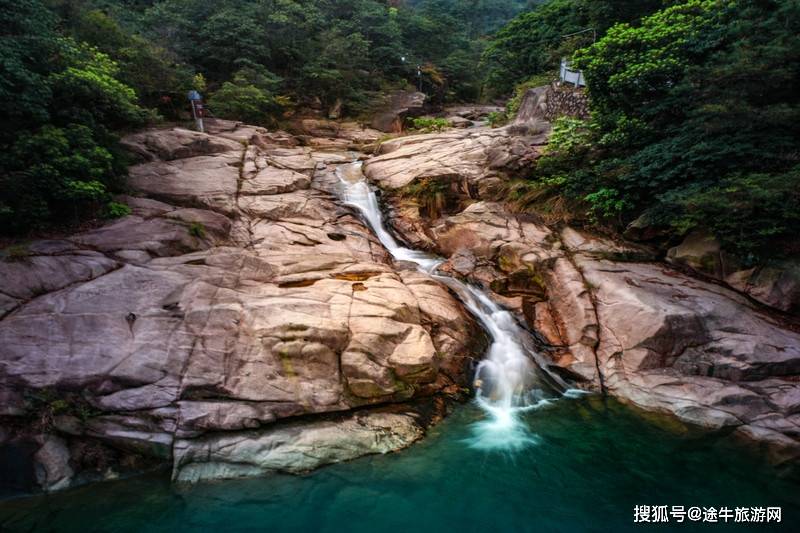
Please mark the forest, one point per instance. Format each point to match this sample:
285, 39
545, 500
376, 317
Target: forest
74, 73
694, 124
425, 265
694, 103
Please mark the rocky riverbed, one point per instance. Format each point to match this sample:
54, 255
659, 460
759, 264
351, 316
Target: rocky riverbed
242, 320
617, 320
238, 294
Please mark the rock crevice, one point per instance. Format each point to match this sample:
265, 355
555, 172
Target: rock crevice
616, 319
244, 296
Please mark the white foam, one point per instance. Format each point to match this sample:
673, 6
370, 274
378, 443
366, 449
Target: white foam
506, 380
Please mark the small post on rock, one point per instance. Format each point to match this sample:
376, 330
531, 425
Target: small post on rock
197, 108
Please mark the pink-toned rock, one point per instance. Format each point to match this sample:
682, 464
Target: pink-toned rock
243, 295
271, 180
52, 464
775, 284
621, 322
206, 181
398, 106
176, 143
470, 155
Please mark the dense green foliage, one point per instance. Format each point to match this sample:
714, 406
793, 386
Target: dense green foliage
428, 124
60, 100
535, 41
695, 102
334, 52
696, 123
73, 73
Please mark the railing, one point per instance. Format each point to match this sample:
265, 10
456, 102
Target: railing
571, 75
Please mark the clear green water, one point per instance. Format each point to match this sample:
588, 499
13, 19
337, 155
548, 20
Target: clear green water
592, 462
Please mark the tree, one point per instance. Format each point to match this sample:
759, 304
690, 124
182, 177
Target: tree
534, 42
695, 123
60, 102
151, 70
27, 42
248, 97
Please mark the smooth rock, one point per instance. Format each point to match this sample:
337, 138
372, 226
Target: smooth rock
295, 448
52, 464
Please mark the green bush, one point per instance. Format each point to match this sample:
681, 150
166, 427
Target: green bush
87, 91
497, 118
247, 103
695, 117
53, 175
148, 68
429, 124
430, 195
248, 97
17, 253
117, 210
59, 160
747, 212
534, 42
568, 135
197, 229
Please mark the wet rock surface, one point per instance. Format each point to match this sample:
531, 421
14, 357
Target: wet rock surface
295, 448
242, 321
238, 293
616, 319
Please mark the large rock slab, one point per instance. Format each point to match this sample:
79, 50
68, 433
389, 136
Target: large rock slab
203, 181
62, 264
617, 320
295, 448
176, 143
470, 154
398, 106
241, 294
329, 134
775, 284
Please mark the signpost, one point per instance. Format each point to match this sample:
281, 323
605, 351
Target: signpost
197, 108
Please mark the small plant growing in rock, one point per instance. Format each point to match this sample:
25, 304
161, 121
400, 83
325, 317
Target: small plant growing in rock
497, 118
197, 229
17, 253
429, 124
429, 194
117, 210
46, 404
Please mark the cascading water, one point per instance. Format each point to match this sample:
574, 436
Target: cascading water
510, 379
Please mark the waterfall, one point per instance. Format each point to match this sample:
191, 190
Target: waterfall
511, 377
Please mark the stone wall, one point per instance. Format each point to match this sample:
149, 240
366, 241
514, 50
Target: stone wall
566, 100
552, 101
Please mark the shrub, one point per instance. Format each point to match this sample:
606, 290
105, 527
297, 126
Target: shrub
429, 124
53, 174
117, 210
197, 229
747, 212
497, 118
58, 160
248, 97
17, 253
430, 194
568, 135
87, 91
695, 123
